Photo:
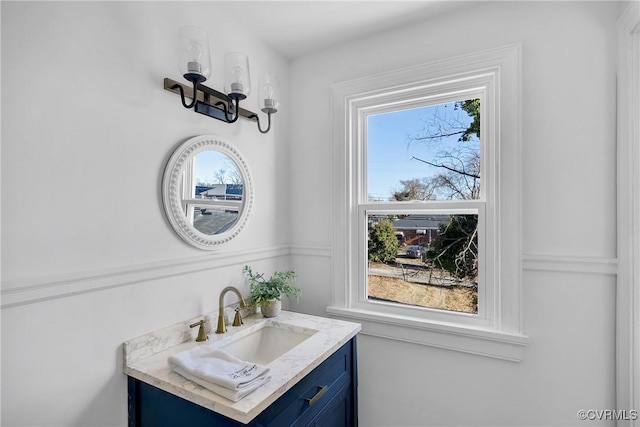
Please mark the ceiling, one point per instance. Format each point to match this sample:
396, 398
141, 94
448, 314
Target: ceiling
298, 27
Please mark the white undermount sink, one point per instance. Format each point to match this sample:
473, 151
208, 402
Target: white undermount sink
266, 343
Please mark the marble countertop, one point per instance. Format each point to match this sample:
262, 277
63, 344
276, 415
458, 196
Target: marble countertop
145, 358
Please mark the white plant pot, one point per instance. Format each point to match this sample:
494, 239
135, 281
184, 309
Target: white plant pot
271, 308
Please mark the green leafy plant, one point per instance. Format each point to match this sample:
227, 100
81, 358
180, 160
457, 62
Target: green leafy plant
279, 284
383, 243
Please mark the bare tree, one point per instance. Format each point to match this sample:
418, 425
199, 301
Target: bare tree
415, 189
456, 250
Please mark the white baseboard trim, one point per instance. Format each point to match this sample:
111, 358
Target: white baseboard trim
21, 292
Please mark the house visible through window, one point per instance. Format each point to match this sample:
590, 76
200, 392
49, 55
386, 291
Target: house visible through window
421, 156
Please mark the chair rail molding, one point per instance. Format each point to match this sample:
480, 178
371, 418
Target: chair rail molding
570, 264
21, 292
311, 250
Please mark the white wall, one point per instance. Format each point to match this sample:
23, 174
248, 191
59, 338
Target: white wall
568, 194
84, 144
86, 132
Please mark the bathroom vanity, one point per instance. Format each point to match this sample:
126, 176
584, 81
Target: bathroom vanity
313, 366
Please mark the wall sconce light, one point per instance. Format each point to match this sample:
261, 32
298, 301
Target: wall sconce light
195, 66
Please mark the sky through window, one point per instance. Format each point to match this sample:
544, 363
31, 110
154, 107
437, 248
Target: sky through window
395, 153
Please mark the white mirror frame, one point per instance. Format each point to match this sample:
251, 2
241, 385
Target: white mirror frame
172, 190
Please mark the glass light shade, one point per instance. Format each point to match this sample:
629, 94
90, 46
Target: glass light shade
268, 93
194, 57
237, 81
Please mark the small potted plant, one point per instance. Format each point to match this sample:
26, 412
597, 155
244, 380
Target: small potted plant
267, 293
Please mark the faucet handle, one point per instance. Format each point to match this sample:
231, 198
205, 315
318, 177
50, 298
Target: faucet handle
202, 333
237, 320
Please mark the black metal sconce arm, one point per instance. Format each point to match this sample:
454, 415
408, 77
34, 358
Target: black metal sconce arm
257, 119
212, 103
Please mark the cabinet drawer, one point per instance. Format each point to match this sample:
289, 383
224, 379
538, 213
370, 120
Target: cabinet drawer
304, 400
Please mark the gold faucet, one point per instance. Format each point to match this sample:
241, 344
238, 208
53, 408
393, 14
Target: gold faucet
237, 321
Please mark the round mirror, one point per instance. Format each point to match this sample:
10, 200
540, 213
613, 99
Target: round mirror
207, 191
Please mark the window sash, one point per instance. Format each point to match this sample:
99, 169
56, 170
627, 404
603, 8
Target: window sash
486, 294
419, 99
481, 87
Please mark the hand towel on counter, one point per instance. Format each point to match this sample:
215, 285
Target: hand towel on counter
208, 366
233, 395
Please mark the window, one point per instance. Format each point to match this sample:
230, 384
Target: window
213, 192
427, 218
418, 157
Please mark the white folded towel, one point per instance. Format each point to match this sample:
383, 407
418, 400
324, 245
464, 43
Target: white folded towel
219, 371
224, 392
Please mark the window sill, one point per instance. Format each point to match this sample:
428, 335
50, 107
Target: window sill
482, 342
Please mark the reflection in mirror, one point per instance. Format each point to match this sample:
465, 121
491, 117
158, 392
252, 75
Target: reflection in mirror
213, 192
207, 191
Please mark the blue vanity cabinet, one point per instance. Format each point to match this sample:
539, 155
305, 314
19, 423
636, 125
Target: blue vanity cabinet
327, 396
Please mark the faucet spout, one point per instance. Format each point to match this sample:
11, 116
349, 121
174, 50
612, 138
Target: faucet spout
222, 328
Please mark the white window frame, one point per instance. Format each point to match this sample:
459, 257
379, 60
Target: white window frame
493, 76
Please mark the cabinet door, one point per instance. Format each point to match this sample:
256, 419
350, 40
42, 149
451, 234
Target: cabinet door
338, 412
295, 408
